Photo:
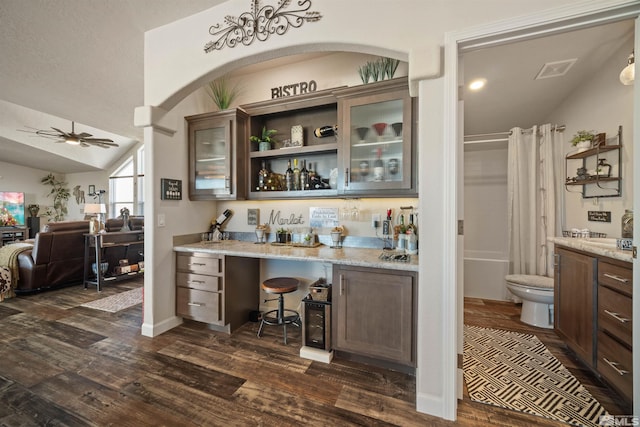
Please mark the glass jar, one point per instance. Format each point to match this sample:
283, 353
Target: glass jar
627, 224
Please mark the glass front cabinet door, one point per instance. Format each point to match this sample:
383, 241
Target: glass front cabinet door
376, 134
216, 155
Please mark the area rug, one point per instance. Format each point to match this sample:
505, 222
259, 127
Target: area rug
516, 371
117, 302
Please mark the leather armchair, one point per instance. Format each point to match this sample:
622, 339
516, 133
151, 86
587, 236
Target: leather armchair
57, 257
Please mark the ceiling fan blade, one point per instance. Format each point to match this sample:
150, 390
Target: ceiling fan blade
60, 132
84, 135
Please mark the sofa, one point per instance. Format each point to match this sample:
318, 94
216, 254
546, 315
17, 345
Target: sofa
57, 256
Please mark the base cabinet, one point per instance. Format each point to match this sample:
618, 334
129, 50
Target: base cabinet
615, 345
217, 289
574, 291
374, 313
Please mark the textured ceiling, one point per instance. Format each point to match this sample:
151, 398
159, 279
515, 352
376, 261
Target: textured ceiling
82, 60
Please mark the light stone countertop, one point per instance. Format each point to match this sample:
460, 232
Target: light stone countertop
603, 247
362, 257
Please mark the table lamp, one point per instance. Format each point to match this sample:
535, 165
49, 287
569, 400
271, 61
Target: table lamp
96, 224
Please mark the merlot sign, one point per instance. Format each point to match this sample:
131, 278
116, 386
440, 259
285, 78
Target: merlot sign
294, 89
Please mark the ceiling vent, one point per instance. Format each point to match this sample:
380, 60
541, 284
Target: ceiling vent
555, 69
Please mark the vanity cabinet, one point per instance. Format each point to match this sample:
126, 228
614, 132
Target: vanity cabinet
217, 157
216, 289
602, 176
377, 154
374, 313
574, 299
615, 346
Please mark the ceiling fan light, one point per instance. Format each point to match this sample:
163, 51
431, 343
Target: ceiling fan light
628, 74
72, 140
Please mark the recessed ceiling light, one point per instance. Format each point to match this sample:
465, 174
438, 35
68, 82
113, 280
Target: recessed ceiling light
477, 84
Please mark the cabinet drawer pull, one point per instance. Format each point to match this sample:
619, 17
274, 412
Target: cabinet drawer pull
199, 264
614, 365
346, 177
617, 317
341, 284
191, 282
617, 278
195, 304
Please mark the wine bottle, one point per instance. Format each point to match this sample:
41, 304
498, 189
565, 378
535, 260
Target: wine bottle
263, 176
304, 176
378, 167
288, 177
296, 175
325, 131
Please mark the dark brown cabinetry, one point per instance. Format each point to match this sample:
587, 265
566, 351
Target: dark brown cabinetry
12, 234
374, 313
574, 294
217, 157
216, 289
614, 355
377, 155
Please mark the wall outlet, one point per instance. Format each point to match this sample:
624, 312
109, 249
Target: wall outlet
375, 220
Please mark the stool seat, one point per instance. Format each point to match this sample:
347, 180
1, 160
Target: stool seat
280, 285
281, 316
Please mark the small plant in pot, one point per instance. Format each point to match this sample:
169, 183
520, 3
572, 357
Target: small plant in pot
265, 140
583, 139
283, 235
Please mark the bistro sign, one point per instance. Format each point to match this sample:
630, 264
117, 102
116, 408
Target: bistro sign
294, 89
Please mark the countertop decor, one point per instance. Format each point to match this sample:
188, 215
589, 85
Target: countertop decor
598, 246
363, 257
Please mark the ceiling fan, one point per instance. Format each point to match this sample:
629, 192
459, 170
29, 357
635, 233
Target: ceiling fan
82, 139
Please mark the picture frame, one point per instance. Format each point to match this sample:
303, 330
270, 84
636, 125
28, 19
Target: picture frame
92, 190
170, 189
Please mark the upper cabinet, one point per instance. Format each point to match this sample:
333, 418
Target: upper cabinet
377, 154
217, 158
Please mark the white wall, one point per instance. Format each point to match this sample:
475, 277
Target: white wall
602, 104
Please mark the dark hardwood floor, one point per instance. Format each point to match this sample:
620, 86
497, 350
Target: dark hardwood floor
66, 365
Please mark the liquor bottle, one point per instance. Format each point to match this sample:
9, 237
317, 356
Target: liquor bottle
412, 226
378, 167
312, 172
288, 177
412, 237
263, 176
304, 176
325, 131
296, 175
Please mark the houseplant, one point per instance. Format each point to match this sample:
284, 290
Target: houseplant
265, 139
583, 139
60, 194
283, 235
222, 93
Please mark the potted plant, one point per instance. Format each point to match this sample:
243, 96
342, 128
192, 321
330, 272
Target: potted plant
583, 140
222, 93
283, 235
264, 141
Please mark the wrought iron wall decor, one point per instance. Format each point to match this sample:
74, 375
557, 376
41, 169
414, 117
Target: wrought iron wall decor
260, 23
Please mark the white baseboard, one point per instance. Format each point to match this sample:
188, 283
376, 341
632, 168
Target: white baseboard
150, 330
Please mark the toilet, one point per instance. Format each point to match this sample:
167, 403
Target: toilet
536, 293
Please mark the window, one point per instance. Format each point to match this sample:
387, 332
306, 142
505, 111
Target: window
126, 186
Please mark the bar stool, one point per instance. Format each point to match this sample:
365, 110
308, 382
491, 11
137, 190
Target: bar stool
281, 316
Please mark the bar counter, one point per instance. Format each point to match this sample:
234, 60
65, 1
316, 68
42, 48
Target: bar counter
363, 257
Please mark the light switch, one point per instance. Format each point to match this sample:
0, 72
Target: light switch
160, 220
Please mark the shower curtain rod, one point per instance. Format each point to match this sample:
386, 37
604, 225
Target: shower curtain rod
554, 128
482, 141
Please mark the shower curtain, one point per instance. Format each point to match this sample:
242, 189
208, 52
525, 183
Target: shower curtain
533, 187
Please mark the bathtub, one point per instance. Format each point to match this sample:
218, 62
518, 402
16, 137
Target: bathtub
484, 273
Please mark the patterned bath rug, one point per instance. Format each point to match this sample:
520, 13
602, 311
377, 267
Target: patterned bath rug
516, 371
117, 302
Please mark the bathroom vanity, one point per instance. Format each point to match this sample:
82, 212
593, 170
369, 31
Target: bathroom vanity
593, 300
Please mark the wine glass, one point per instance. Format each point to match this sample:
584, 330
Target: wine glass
379, 128
393, 166
364, 168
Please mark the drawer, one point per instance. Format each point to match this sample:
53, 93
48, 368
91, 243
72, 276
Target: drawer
198, 281
614, 364
199, 305
615, 277
199, 263
614, 314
